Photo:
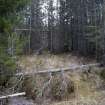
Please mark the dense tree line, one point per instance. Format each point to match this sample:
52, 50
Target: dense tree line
69, 26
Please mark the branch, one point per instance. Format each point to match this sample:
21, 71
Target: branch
13, 95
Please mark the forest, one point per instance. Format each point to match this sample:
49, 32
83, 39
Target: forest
52, 52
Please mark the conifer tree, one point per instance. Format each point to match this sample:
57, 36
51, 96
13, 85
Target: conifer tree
8, 19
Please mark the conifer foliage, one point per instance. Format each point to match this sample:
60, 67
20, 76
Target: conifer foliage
9, 10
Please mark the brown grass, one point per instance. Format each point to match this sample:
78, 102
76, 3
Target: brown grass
48, 61
85, 89
86, 86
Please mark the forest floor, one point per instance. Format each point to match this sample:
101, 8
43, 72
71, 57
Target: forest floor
90, 90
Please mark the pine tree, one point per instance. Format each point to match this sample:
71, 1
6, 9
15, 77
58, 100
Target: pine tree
8, 18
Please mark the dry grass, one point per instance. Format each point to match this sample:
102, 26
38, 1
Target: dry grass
54, 88
87, 90
48, 61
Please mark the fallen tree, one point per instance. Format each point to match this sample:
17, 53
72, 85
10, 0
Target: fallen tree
71, 68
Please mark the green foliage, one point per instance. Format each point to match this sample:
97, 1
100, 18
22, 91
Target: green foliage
9, 17
102, 74
95, 36
93, 33
9, 6
20, 44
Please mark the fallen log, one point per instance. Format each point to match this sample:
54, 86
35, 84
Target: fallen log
12, 95
71, 68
